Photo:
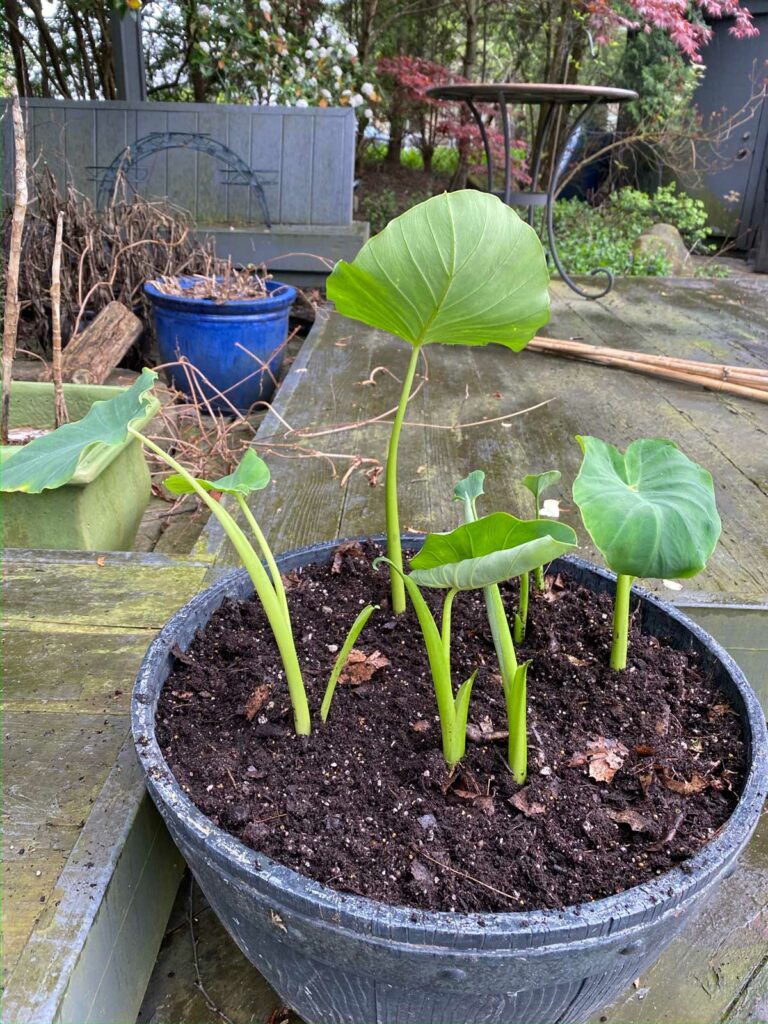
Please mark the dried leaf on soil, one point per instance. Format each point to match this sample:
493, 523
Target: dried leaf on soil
553, 588
697, 784
360, 667
523, 803
352, 547
605, 757
256, 702
629, 817
421, 725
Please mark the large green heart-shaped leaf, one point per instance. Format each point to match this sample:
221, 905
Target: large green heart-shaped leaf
461, 268
489, 550
252, 474
651, 511
52, 460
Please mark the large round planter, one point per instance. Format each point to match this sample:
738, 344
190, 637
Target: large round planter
341, 959
238, 345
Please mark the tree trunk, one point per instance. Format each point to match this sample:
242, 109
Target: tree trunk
11, 323
16, 39
468, 63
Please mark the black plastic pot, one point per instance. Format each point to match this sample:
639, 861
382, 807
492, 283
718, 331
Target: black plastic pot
340, 959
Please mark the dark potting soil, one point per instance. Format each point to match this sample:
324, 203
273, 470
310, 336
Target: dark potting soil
630, 773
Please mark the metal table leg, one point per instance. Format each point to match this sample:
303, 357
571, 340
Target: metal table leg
551, 197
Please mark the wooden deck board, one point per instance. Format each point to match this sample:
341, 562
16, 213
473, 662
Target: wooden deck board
75, 632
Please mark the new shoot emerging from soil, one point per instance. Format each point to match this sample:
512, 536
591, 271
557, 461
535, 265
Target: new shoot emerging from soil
480, 555
459, 269
452, 710
651, 512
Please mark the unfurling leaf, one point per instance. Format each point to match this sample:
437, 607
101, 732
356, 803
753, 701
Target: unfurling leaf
651, 511
537, 483
461, 268
252, 474
490, 550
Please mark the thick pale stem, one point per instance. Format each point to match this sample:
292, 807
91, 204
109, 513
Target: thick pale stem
516, 699
502, 638
445, 632
521, 619
266, 552
621, 622
273, 608
394, 549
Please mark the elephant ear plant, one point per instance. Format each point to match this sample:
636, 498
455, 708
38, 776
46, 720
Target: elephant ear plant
459, 269
480, 555
651, 513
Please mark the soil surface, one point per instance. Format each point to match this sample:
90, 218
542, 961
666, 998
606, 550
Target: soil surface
629, 773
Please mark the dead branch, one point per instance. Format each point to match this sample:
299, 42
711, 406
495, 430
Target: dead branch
59, 404
11, 321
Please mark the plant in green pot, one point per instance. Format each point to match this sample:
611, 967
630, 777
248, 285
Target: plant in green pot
84, 485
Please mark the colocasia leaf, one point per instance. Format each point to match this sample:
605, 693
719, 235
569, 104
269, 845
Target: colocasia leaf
537, 483
651, 512
252, 474
461, 269
489, 550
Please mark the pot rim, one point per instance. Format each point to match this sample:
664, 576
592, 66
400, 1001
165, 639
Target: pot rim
609, 914
279, 297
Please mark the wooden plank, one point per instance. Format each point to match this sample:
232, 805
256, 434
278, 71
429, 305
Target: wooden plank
265, 157
296, 160
91, 356
752, 1005
48, 131
182, 165
153, 172
81, 153
54, 767
111, 137
329, 177
51, 669
133, 596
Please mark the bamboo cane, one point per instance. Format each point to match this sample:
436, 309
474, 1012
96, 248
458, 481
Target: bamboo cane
750, 376
753, 385
11, 322
59, 404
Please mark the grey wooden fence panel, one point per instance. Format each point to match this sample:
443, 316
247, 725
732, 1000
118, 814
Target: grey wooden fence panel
305, 155
296, 171
155, 171
265, 157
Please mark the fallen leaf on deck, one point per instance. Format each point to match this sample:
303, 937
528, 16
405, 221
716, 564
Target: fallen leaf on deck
281, 1014
628, 817
101, 560
360, 667
528, 807
373, 474
256, 702
605, 757
352, 547
277, 921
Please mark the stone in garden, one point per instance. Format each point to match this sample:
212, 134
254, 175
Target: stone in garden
665, 240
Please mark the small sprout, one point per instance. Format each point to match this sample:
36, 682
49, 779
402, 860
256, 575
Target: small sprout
537, 484
650, 512
355, 630
479, 555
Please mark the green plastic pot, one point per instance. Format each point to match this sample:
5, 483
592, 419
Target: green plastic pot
101, 507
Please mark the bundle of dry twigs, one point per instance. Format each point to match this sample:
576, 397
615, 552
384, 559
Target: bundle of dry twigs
224, 283
106, 255
746, 382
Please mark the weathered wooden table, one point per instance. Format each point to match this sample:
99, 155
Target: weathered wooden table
86, 901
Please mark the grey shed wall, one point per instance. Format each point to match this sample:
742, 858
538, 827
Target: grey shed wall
304, 157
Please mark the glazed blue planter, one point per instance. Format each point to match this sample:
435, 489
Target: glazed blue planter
238, 345
336, 958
